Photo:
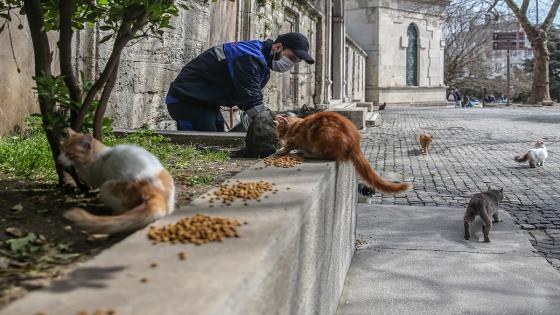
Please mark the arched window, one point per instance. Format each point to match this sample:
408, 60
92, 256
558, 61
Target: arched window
412, 56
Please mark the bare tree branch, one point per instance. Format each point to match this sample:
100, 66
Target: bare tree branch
551, 15
103, 101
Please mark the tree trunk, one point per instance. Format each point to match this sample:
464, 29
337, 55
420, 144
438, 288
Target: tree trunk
102, 107
43, 61
540, 92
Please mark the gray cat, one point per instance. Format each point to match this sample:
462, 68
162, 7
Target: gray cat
484, 204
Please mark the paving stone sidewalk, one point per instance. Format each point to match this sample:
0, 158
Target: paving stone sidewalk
474, 148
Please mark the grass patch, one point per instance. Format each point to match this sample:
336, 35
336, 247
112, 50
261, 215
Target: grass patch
200, 180
28, 155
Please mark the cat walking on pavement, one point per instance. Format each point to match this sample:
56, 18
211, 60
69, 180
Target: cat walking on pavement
485, 205
535, 156
425, 140
131, 180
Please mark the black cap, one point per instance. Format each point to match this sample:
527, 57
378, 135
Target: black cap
298, 43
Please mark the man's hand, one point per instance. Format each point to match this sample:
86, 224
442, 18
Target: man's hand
248, 115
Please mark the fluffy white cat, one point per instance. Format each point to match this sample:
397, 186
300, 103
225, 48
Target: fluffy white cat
535, 156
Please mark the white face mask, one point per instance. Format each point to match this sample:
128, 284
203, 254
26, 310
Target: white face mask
282, 65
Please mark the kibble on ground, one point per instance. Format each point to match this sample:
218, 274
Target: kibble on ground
241, 190
284, 161
198, 230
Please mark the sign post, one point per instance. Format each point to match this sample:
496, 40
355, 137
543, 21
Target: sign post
508, 41
508, 79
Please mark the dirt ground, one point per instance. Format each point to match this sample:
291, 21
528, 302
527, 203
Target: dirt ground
38, 246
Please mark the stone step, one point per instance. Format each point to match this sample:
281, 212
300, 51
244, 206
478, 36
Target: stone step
414, 260
367, 105
373, 119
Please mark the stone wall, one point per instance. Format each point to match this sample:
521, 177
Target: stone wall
17, 98
355, 82
148, 67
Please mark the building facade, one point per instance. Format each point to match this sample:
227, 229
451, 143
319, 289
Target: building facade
405, 46
377, 51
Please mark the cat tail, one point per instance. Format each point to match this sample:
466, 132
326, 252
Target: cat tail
522, 158
134, 219
368, 174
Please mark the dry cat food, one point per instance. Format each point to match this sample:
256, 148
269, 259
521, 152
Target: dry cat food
198, 230
245, 191
98, 312
284, 161
360, 243
182, 256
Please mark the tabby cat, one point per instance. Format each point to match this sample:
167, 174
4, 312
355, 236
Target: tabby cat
484, 204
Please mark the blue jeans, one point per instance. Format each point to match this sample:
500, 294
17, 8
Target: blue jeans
193, 115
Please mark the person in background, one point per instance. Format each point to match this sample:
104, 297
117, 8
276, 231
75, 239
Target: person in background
457, 97
228, 75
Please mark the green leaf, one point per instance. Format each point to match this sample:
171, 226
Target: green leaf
105, 38
17, 244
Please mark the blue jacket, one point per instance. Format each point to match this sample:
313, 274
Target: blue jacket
226, 75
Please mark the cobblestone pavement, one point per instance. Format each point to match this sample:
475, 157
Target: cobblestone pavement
474, 148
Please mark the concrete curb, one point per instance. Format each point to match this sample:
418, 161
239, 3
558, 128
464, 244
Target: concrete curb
292, 257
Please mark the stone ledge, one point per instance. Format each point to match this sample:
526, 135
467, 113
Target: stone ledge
292, 257
420, 104
196, 137
373, 119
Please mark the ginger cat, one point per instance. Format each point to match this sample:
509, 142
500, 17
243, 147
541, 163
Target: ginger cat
425, 140
535, 156
330, 135
131, 180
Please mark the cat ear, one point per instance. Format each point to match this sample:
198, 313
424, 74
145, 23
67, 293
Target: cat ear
67, 133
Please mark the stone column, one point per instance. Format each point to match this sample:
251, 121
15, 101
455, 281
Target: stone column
328, 50
338, 49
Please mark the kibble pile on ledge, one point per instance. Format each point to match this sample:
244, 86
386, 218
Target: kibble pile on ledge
198, 230
284, 161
